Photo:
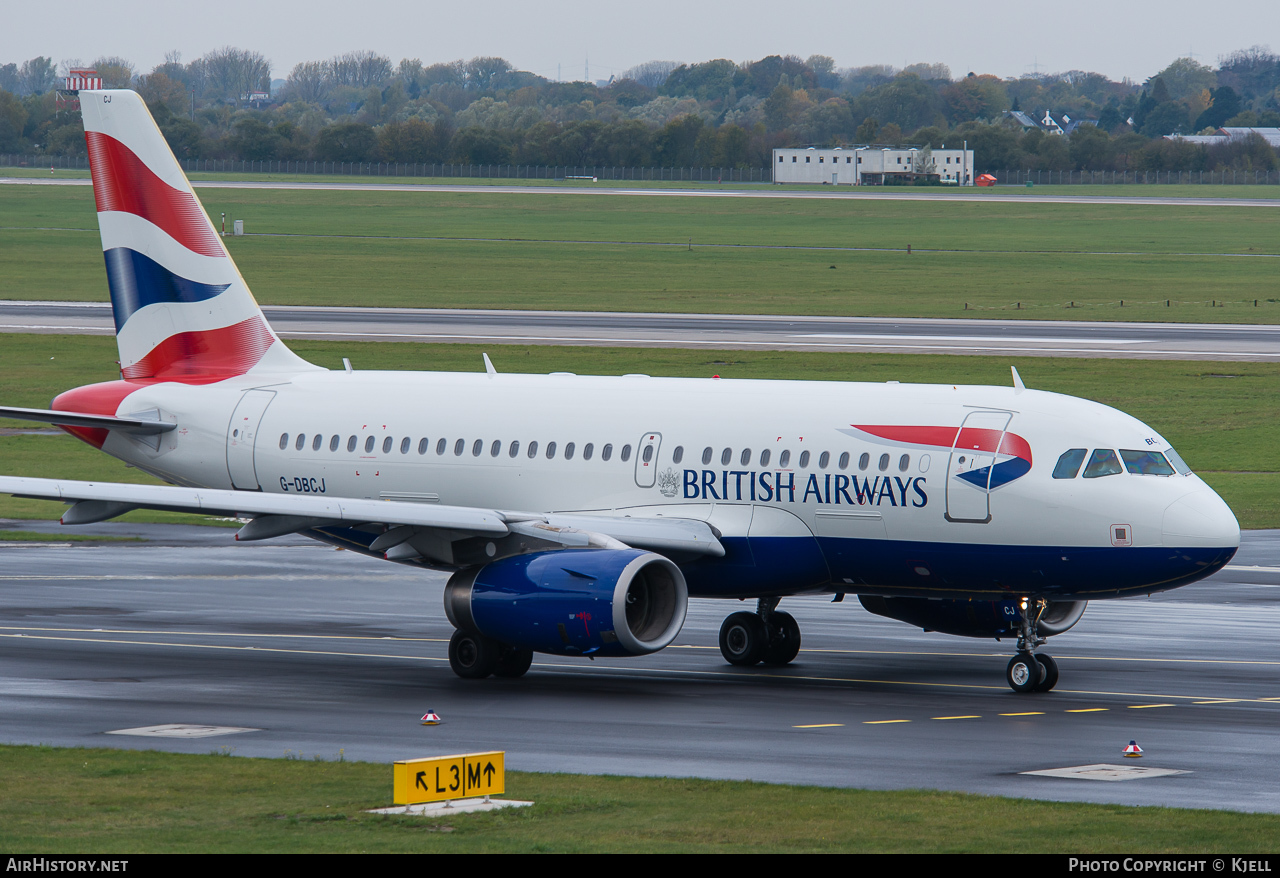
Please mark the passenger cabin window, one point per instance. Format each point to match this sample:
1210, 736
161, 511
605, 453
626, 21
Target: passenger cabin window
823, 459
284, 441
423, 444
606, 452
864, 461
568, 451
386, 445
648, 454
745, 459
333, 442
783, 459
726, 456
804, 459
302, 440
1103, 462
459, 447
533, 449
706, 455
315, 443
404, 445
477, 447
904, 462
884, 462
676, 456
1069, 464
351, 443
590, 449
844, 460
441, 445
626, 453
551, 450
1146, 463
368, 444
496, 448
515, 448
764, 457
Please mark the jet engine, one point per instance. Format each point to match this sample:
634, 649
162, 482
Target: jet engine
973, 618
607, 602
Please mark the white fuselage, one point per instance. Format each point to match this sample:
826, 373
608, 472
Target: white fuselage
448, 438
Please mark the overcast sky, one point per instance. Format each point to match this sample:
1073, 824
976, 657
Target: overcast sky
1133, 38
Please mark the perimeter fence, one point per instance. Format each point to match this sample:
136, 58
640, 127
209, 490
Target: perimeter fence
420, 169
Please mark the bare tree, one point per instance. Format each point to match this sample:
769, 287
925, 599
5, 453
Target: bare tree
651, 73
36, 76
230, 72
360, 69
308, 81
115, 71
482, 72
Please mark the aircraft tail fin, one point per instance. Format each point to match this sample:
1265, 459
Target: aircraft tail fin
182, 311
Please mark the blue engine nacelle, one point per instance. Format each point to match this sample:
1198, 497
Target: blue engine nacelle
973, 618
608, 602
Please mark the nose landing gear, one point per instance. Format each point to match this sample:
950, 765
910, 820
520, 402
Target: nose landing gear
766, 636
1028, 672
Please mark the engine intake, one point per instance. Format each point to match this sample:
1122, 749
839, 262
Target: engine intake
608, 602
973, 618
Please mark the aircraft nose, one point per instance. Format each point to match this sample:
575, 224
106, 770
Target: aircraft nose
1200, 519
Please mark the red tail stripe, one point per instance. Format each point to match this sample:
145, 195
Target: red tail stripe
206, 356
122, 182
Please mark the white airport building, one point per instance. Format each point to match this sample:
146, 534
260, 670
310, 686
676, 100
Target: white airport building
872, 165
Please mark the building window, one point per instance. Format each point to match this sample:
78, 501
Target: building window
793, 160
806, 159
779, 159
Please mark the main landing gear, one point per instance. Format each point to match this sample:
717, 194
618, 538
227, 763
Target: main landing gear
1030, 671
766, 636
474, 657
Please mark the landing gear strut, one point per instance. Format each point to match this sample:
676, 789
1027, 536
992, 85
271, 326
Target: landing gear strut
766, 636
1028, 671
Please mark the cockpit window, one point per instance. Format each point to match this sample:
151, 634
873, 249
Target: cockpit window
1178, 463
1103, 462
1146, 463
1069, 463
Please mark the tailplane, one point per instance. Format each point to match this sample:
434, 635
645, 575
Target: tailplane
182, 311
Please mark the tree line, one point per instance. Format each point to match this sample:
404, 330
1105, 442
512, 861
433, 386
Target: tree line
360, 107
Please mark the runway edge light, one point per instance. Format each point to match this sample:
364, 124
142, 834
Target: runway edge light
430, 718
1133, 751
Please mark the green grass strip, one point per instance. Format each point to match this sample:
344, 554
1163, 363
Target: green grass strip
60, 801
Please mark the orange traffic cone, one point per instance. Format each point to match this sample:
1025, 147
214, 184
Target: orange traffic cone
1133, 750
431, 718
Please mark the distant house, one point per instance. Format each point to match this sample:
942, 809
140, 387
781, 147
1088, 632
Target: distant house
1048, 124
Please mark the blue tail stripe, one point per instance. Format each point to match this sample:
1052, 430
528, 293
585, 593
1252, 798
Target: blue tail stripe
137, 281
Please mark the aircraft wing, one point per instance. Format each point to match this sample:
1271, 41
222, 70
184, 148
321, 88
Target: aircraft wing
413, 529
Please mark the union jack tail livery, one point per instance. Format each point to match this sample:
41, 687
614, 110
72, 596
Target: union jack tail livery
182, 311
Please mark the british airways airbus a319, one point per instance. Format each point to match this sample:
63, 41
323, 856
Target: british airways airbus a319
579, 514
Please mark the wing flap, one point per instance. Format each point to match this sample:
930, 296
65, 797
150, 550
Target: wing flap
251, 503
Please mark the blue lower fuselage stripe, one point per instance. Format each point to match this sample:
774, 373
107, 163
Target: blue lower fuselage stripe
137, 281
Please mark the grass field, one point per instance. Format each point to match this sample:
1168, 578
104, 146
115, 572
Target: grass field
633, 253
1221, 417
61, 801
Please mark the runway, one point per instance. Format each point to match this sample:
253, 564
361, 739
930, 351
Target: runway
874, 193
322, 651
1038, 338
